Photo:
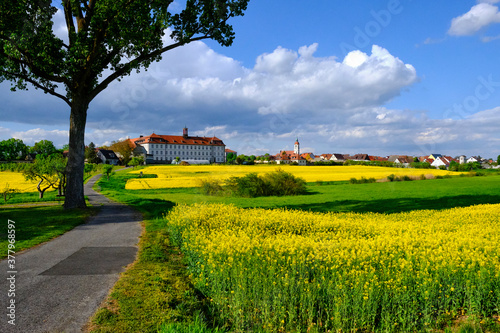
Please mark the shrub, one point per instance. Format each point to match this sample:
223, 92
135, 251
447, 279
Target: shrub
405, 178
362, 180
211, 187
281, 183
275, 183
250, 185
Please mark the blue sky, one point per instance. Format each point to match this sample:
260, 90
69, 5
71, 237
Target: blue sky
377, 77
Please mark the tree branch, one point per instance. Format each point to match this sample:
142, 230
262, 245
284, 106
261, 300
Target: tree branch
37, 85
28, 62
68, 15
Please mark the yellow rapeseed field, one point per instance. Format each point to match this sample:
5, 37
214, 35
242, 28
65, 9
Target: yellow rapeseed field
17, 181
171, 176
291, 271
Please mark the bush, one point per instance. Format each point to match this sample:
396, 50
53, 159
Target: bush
276, 183
281, 183
363, 180
249, 186
211, 187
405, 178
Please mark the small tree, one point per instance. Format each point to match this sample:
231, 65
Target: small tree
49, 171
107, 170
91, 154
89, 168
135, 161
8, 193
231, 157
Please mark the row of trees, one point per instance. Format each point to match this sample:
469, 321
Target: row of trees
15, 149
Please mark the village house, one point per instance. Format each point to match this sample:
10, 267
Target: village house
288, 157
401, 159
167, 148
337, 158
443, 161
107, 156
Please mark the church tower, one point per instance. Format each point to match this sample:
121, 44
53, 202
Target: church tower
296, 147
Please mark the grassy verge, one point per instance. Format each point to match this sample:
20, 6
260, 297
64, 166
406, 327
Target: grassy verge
35, 225
156, 294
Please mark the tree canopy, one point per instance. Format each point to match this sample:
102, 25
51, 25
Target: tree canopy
45, 147
106, 40
12, 149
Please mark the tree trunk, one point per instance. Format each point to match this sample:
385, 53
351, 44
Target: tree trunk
76, 158
41, 190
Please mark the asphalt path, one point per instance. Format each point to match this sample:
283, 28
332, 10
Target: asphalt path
59, 285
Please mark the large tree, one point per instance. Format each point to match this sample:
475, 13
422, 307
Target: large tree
106, 37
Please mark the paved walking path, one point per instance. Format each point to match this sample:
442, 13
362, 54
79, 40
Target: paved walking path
60, 284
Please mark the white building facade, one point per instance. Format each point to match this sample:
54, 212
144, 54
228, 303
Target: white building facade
167, 148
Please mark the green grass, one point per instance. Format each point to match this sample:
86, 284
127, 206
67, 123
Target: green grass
32, 197
387, 197
155, 294
35, 225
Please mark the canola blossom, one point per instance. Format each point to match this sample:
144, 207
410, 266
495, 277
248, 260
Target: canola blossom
16, 180
175, 176
284, 270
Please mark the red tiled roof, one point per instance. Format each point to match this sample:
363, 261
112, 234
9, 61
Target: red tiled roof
178, 139
377, 158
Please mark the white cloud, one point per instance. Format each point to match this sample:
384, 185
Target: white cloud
332, 105
30, 137
479, 16
487, 39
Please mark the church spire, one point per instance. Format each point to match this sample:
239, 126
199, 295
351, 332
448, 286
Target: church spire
296, 147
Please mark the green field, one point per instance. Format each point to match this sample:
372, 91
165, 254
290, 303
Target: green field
156, 295
388, 197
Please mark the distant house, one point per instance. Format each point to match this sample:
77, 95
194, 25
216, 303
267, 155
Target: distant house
425, 159
360, 157
473, 159
401, 159
377, 158
434, 156
337, 158
325, 157
108, 156
443, 161
288, 157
